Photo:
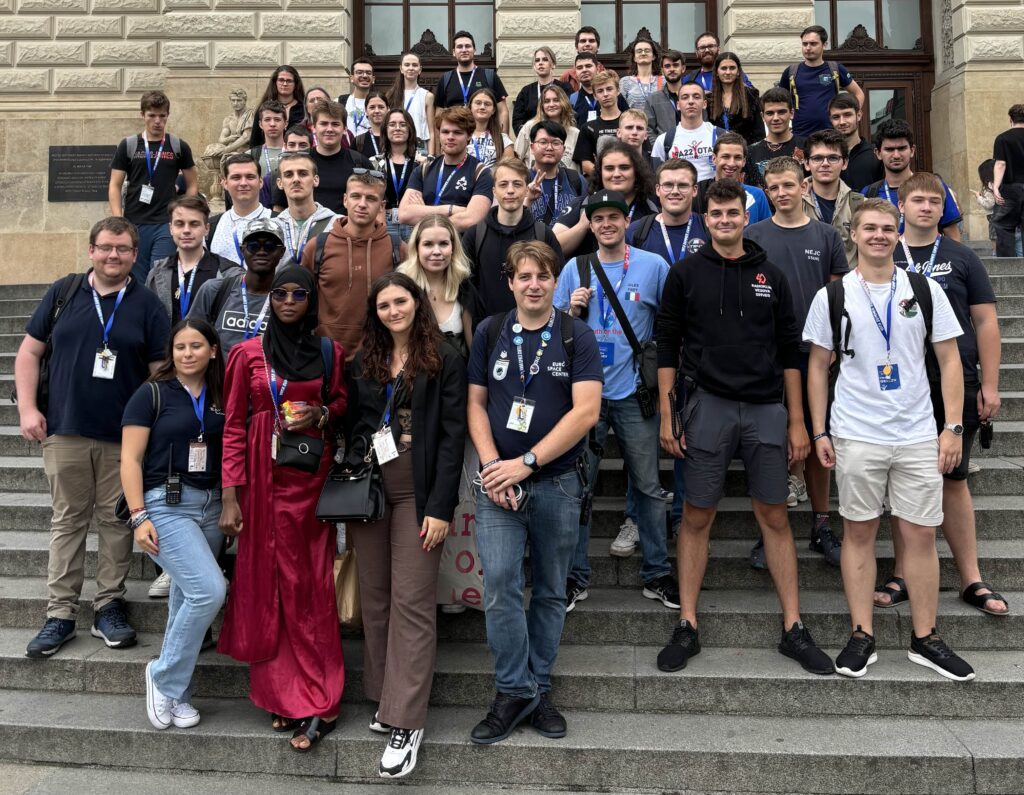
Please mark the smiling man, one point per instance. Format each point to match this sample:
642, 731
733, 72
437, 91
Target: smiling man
455, 87
693, 138
241, 180
730, 160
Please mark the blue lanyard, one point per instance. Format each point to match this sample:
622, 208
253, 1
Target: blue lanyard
199, 407
912, 266
886, 330
265, 155
373, 140
109, 323
409, 103
249, 333
552, 203
238, 246
296, 243
185, 293
476, 148
358, 117
151, 167
278, 396
465, 86
591, 103
608, 314
668, 242
725, 118
399, 184
517, 340
439, 189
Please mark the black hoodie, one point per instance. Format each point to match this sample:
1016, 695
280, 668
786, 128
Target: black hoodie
733, 321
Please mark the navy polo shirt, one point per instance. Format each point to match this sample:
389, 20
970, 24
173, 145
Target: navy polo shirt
171, 432
456, 188
550, 389
81, 405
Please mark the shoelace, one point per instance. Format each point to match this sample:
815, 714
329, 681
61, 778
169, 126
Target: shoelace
937, 646
115, 617
678, 634
50, 630
826, 538
399, 737
801, 639
859, 646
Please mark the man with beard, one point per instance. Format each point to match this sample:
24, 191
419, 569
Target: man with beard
706, 45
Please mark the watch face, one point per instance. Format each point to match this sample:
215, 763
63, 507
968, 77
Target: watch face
530, 459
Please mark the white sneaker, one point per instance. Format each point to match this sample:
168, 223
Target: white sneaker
161, 587
973, 468
453, 610
183, 714
158, 706
625, 542
399, 757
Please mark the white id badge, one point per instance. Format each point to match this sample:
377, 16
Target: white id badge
273, 446
146, 194
591, 115
521, 415
196, 456
103, 366
384, 445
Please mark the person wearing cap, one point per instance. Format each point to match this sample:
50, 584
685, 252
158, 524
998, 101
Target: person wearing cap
238, 306
585, 290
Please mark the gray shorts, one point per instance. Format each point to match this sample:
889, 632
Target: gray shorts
717, 430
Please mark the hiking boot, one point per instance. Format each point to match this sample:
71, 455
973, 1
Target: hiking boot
54, 634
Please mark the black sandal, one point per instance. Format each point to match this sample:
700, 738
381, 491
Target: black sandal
895, 596
977, 600
313, 729
290, 724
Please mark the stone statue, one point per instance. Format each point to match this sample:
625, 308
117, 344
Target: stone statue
234, 137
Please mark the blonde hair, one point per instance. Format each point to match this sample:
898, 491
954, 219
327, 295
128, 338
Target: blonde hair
601, 78
459, 268
633, 113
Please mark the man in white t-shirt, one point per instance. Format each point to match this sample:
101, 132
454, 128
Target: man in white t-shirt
693, 138
883, 430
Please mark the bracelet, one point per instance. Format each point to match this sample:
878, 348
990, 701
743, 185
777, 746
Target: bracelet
490, 464
134, 511
819, 436
138, 520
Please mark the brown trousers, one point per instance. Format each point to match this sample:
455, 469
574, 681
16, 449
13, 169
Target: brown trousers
398, 587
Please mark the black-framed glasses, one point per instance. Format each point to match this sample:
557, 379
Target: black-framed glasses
833, 159
280, 295
268, 244
369, 173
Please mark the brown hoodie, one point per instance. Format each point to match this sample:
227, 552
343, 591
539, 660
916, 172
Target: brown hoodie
350, 266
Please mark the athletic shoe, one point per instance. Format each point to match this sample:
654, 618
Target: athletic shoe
377, 725
453, 610
111, 624
574, 592
547, 720
858, 654
683, 645
399, 756
54, 634
798, 487
797, 643
183, 714
158, 706
664, 589
932, 652
505, 714
791, 499
666, 495
757, 558
625, 542
826, 544
161, 587
973, 468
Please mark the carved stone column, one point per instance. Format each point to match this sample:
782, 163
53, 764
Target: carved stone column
521, 26
765, 35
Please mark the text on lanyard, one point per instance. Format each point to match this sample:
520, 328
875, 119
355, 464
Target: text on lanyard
607, 314
886, 329
517, 340
185, 283
484, 139
668, 242
912, 266
465, 86
251, 330
439, 188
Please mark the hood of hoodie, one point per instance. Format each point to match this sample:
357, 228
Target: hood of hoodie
525, 223
319, 213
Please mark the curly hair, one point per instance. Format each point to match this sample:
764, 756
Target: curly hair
424, 338
643, 185
568, 116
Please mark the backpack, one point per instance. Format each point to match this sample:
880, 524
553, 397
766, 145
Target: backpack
639, 236
564, 324
539, 233
833, 67
874, 189
132, 144
446, 80
321, 244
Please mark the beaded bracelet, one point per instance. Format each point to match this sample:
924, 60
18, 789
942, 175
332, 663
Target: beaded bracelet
138, 520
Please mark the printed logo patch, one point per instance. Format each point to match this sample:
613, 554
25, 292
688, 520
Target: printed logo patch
461, 184
908, 307
761, 287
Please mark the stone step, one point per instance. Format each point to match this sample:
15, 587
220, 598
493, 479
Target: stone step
1013, 349
15, 324
1011, 304
1007, 284
1011, 325
35, 291
1003, 266
18, 306
610, 751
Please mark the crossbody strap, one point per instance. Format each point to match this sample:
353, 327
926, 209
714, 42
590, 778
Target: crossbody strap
613, 299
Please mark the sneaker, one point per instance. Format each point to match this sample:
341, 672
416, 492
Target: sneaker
757, 558
208, 641
826, 544
799, 488
666, 495
798, 644
453, 610
858, 654
547, 720
54, 634
932, 652
505, 714
792, 500
112, 625
973, 468
399, 756
664, 589
683, 645
183, 714
161, 587
379, 726
574, 592
158, 706
625, 542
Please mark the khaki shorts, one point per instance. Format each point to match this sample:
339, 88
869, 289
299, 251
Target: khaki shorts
911, 472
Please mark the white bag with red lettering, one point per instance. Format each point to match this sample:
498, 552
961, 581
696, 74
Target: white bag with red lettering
460, 578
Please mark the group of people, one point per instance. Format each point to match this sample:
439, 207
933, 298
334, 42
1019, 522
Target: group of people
505, 305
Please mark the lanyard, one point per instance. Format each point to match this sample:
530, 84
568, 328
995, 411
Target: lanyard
358, 117
912, 266
476, 149
886, 330
629, 217
199, 407
265, 156
517, 340
151, 166
296, 237
817, 207
439, 189
552, 203
275, 395
238, 245
109, 323
373, 140
608, 313
591, 103
668, 243
648, 88
399, 183
252, 331
465, 86
409, 103
391, 390
185, 293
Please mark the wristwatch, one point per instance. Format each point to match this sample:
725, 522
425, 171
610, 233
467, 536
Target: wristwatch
957, 429
530, 459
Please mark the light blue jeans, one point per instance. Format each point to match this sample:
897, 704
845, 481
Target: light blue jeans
189, 538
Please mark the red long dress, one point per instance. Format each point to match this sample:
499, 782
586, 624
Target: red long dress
281, 615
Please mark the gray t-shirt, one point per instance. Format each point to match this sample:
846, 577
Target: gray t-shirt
231, 321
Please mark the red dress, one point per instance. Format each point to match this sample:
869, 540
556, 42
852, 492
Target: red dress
281, 615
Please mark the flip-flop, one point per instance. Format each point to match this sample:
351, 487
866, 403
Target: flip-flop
895, 596
314, 729
290, 724
977, 600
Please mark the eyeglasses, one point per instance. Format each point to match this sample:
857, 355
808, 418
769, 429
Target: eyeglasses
545, 143
361, 172
267, 244
705, 47
363, 73
671, 187
285, 80
833, 159
121, 250
280, 295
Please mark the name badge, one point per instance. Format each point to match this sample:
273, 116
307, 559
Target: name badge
607, 353
274, 441
888, 376
196, 456
521, 415
384, 445
105, 363
591, 115
146, 194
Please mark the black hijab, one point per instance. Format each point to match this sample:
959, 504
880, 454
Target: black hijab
293, 348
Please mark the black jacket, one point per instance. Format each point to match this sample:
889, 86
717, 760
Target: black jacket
751, 126
525, 106
438, 429
863, 167
734, 322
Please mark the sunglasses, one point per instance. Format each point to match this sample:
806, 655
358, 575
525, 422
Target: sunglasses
263, 244
369, 173
281, 295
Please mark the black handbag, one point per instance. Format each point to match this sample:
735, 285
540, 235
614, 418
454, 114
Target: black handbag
352, 493
299, 451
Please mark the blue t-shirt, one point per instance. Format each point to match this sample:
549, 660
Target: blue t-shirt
815, 89
639, 292
655, 241
550, 389
457, 188
826, 207
757, 205
172, 431
81, 405
950, 210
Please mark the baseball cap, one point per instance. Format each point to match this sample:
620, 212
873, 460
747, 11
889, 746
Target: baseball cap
266, 226
606, 198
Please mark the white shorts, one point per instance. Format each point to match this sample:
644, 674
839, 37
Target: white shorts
911, 472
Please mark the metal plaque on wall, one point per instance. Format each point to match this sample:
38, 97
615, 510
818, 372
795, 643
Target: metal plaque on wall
79, 173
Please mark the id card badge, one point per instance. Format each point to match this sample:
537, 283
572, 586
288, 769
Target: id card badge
521, 415
146, 194
103, 366
384, 445
591, 115
196, 456
273, 446
607, 353
888, 376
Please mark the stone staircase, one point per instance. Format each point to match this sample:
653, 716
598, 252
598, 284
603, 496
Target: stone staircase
741, 718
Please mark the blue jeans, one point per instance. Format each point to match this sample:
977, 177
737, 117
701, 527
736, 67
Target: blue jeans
155, 242
398, 232
189, 539
638, 438
525, 646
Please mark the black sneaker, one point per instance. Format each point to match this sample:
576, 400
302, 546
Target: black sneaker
506, 713
54, 634
858, 654
757, 558
547, 720
574, 592
932, 652
683, 645
112, 625
826, 544
797, 643
664, 589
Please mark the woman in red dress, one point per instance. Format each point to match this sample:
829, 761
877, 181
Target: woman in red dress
281, 616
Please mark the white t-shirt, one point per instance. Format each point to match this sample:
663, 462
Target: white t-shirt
862, 410
416, 105
231, 230
692, 145
356, 109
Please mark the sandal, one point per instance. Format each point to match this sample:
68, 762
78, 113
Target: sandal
896, 595
285, 725
313, 729
978, 600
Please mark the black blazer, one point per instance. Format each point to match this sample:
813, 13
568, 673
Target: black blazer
438, 429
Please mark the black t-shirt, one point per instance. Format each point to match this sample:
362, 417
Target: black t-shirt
826, 207
397, 176
454, 82
334, 171
458, 184
1009, 146
165, 174
586, 145
81, 405
172, 431
863, 167
761, 153
365, 145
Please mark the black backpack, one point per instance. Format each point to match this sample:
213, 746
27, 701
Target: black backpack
446, 80
565, 325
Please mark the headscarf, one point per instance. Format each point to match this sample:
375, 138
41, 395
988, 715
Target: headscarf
293, 348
